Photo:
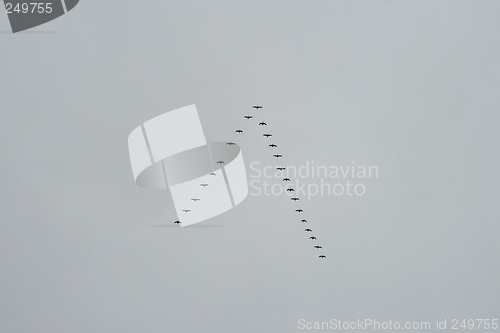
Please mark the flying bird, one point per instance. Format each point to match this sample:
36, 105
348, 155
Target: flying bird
312, 237
290, 189
177, 222
186, 210
230, 143
272, 145
212, 174
303, 221
248, 117
299, 210
322, 256
204, 184
257, 107
267, 135
318, 247
308, 230
286, 179
280, 168
239, 131
195, 199
262, 123
278, 155
294, 199
220, 162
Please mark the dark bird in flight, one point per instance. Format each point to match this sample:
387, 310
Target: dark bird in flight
195, 199
318, 247
294, 199
212, 174
308, 230
280, 168
267, 135
186, 210
239, 131
272, 145
322, 256
286, 179
177, 222
312, 237
249, 117
230, 143
299, 210
262, 123
204, 184
220, 162
278, 155
290, 189
303, 221
257, 107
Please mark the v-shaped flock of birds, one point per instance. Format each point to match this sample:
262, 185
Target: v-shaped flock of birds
280, 168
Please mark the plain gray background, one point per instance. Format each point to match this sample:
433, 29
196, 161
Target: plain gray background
409, 86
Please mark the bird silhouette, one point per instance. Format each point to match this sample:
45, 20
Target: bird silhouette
220, 162
262, 123
290, 190
303, 221
249, 117
272, 145
312, 237
278, 155
299, 210
177, 222
195, 199
294, 199
239, 131
318, 247
280, 168
286, 179
267, 135
212, 174
257, 107
186, 210
204, 184
230, 143
307, 230
322, 256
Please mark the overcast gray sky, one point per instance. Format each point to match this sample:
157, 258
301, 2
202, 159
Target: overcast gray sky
408, 86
